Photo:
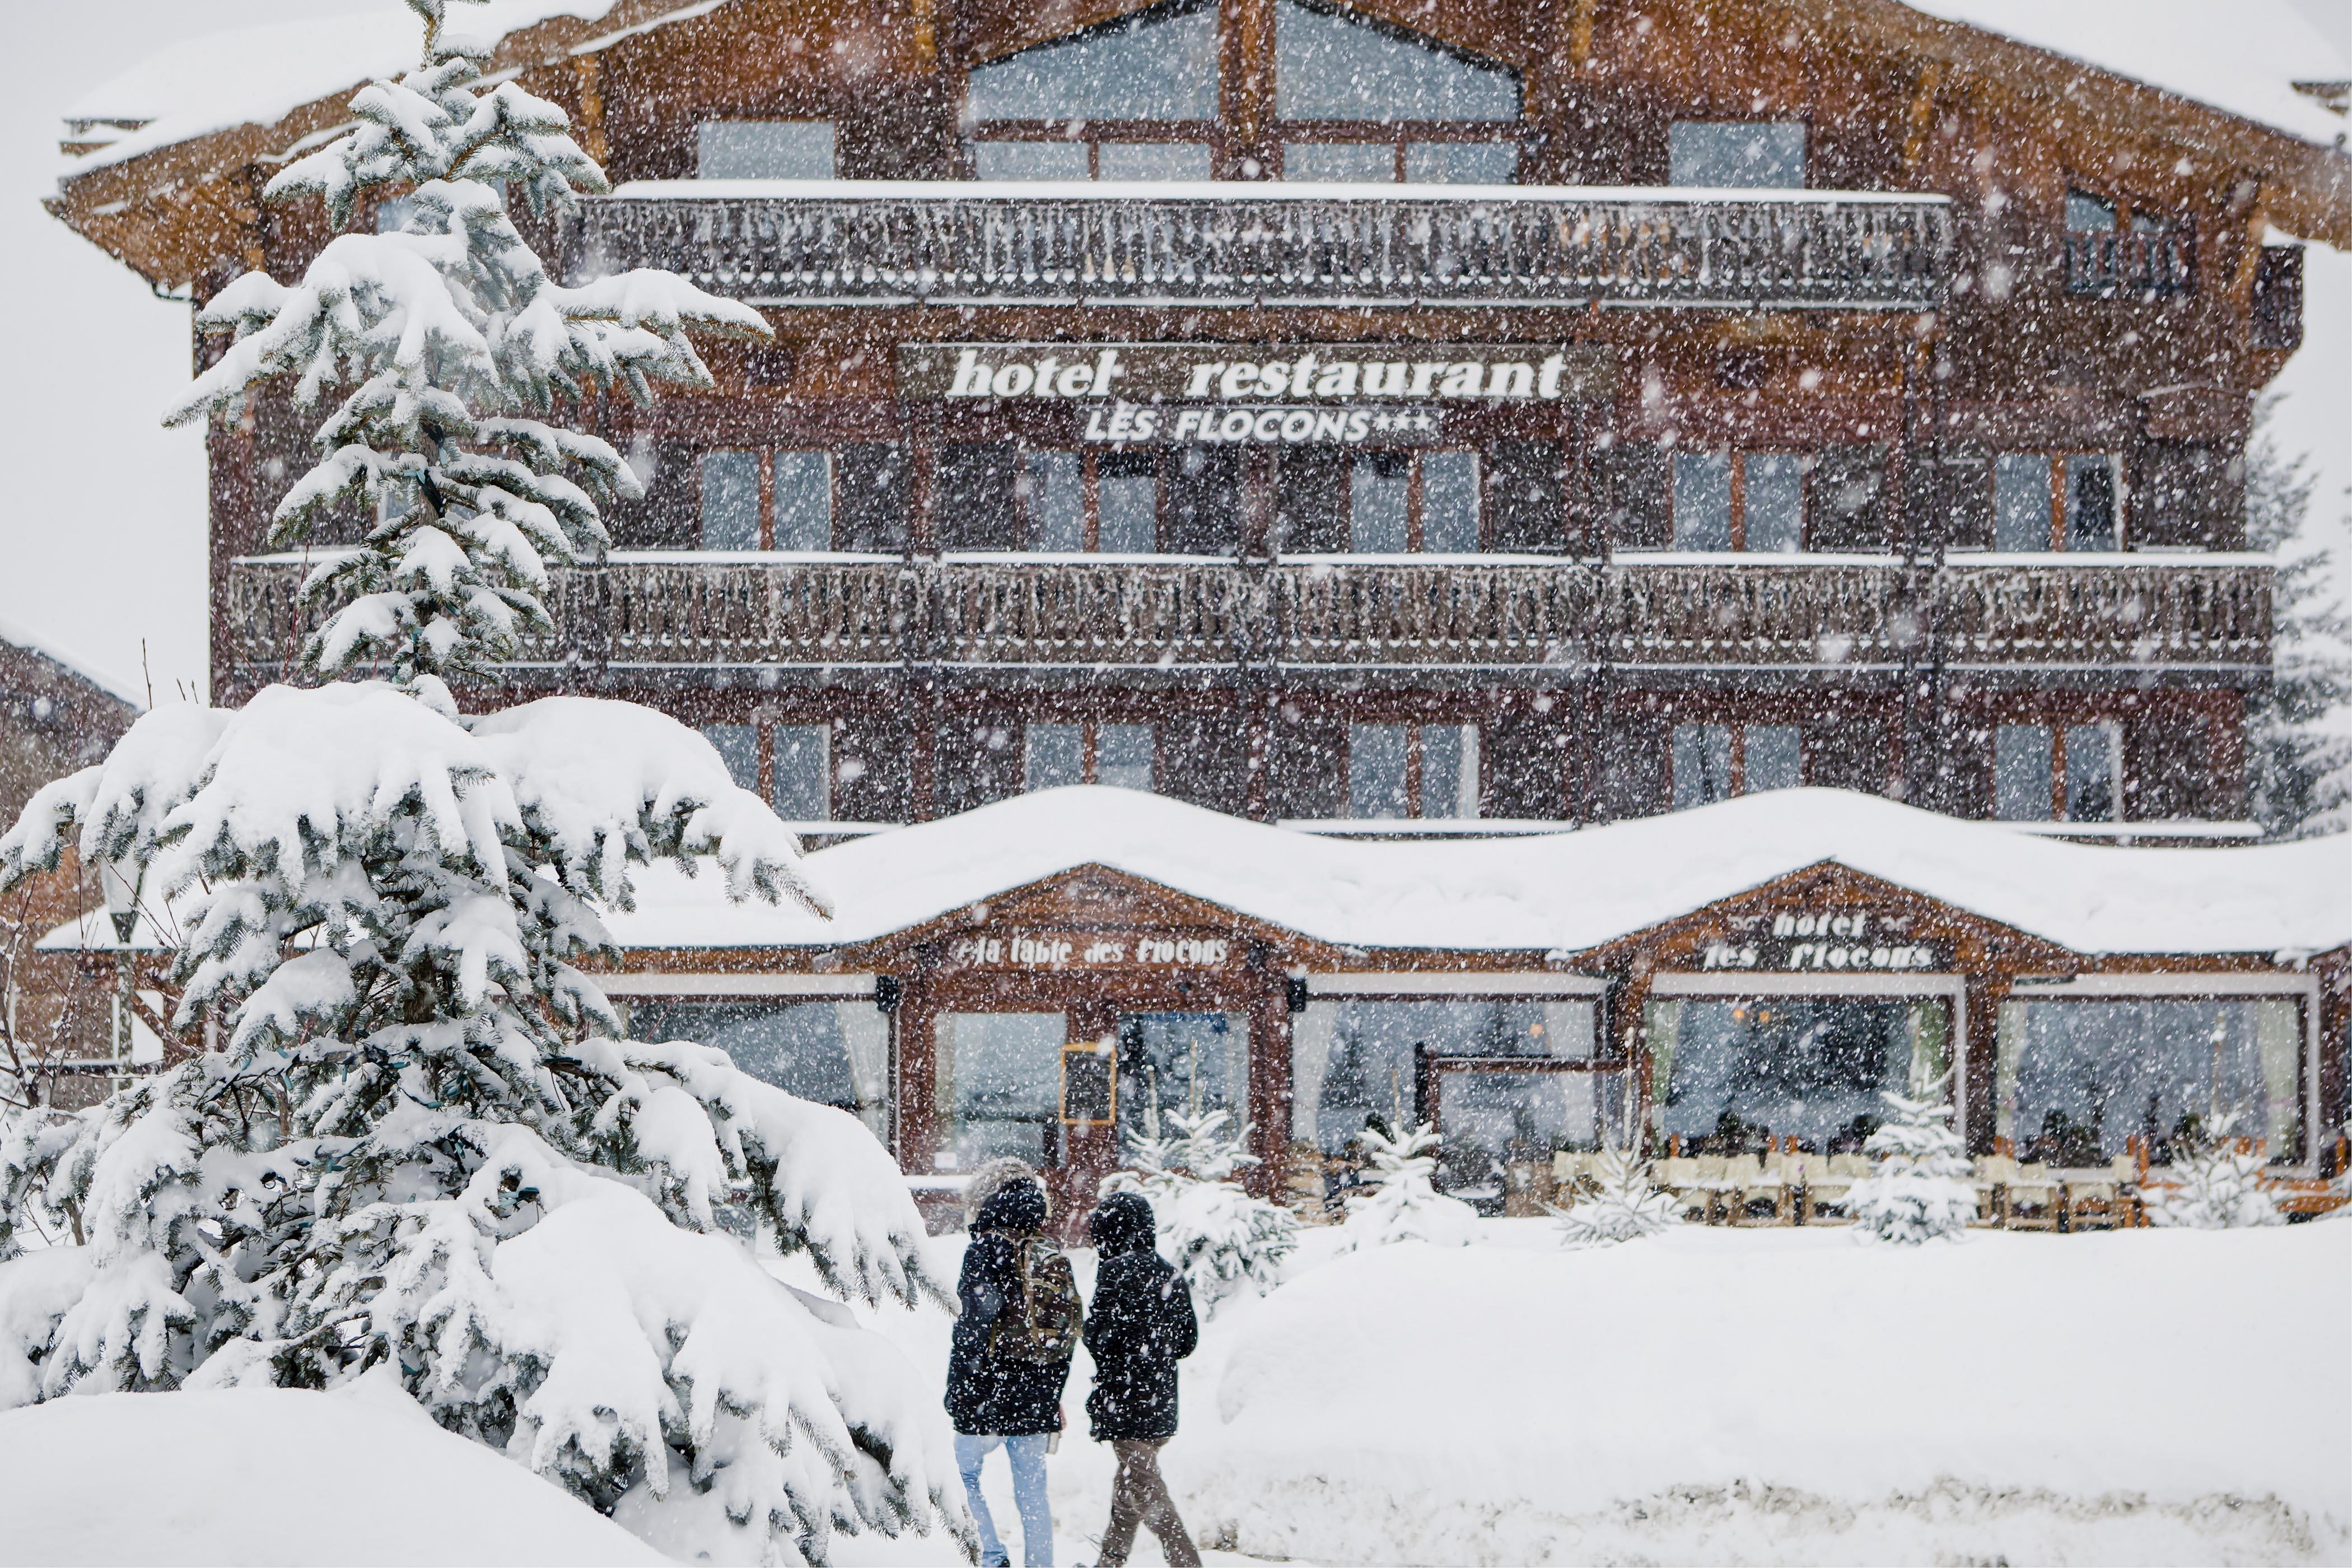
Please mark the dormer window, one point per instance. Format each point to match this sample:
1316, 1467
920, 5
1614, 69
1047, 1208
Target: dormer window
1133, 99
1736, 155
1359, 100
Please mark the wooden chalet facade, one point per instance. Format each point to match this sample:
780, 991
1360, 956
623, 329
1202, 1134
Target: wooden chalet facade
1796, 393
1473, 418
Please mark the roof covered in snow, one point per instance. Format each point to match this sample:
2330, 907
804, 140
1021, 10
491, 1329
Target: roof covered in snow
72, 664
2242, 57
1568, 890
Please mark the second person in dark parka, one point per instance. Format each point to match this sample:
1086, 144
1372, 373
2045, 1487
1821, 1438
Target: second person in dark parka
1141, 1326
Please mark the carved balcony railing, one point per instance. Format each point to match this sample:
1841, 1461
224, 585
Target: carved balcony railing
662, 619
2133, 264
880, 243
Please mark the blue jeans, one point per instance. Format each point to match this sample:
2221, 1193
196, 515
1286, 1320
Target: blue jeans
1026, 1454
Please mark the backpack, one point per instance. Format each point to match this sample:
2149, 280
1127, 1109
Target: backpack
1044, 1331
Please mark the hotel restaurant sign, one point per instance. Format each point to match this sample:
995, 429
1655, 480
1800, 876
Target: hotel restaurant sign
1255, 394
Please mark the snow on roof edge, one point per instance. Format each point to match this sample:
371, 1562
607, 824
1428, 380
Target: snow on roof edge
1570, 891
22, 637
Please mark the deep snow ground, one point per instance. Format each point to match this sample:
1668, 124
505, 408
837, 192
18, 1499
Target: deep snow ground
1755, 1397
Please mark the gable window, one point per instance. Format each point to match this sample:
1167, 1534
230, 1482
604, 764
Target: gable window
1132, 100
763, 150
1736, 155
1361, 100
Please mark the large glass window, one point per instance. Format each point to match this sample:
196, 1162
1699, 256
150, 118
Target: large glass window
763, 150
2021, 775
1052, 487
804, 500
803, 764
1379, 502
1702, 500
1702, 764
1192, 1062
2076, 1080
2021, 501
1773, 503
997, 1086
730, 500
1159, 64
1449, 502
836, 1053
1377, 762
1127, 501
1736, 155
1331, 65
1449, 770
2093, 773
1355, 1061
1727, 1075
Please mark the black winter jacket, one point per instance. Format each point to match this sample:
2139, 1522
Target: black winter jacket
988, 1397
1141, 1325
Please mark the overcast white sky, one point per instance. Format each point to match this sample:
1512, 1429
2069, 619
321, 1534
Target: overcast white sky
102, 517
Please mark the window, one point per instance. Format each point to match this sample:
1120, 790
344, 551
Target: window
1444, 116
1053, 489
1729, 1076
730, 500
1774, 757
996, 1089
738, 746
2087, 214
1449, 502
2093, 769
1412, 771
1128, 500
2021, 773
802, 502
1378, 495
1377, 762
1736, 155
1449, 771
763, 150
1053, 755
1072, 109
802, 765
1702, 500
2021, 501
1181, 1061
2091, 485
1159, 64
834, 1053
2028, 486
1702, 764
2076, 1080
1331, 65
1124, 755
1773, 502
1121, 756
1360, 1062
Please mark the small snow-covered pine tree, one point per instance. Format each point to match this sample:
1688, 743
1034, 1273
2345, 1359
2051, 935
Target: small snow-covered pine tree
1403, 1205
2215, 1186
2299, 760
1917, 1188
425, 1143
1224, 1241
1625, 1204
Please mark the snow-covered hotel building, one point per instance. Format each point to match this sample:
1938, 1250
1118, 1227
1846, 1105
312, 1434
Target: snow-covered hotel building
1457, 421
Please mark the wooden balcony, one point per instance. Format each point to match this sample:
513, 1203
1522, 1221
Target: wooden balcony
646, 618
885, 243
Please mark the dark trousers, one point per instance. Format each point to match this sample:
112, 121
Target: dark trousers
1140, 1497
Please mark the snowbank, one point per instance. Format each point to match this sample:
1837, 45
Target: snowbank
1497, 1405
273, 1476
1733, 1397
1562, 891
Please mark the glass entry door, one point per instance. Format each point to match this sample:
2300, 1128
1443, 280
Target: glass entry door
1189, 1062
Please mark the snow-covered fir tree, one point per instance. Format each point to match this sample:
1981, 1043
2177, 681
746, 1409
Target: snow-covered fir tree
1224, 1241
1917, 1188
2216, 1186
424, 1143
2299, 725
1403, 1205
448, 343
1623, 1204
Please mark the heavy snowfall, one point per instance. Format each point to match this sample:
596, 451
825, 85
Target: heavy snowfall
426, 1241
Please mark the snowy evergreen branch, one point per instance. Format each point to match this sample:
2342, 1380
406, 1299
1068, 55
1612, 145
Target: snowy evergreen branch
451, 342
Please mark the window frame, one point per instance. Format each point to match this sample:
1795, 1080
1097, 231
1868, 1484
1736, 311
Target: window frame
1415, 786
765, 455
1737, 773
1090, 747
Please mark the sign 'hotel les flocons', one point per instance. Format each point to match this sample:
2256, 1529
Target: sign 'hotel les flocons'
1252, 393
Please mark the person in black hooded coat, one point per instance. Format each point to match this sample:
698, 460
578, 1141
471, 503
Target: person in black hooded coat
993, 1399
1141, 1325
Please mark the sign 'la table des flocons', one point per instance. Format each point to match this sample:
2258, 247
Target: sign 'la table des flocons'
1216, 394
